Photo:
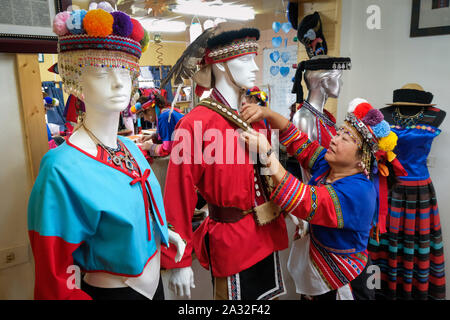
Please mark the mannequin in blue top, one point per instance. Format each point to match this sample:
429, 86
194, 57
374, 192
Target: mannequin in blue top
96, 207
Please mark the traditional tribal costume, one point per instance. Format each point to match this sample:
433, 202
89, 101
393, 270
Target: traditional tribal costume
340, 214
410, 254
242, 254
102, 213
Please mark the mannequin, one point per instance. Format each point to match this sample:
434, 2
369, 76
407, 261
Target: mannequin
243, 71
229, 242
321, 84
406, 273
96, 203
106, 93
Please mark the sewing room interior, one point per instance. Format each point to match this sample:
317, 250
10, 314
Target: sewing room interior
225, 150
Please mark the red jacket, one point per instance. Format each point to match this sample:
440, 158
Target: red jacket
233, 246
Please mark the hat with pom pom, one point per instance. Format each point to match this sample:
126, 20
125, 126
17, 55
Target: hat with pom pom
370, 124
100, 37
372, 133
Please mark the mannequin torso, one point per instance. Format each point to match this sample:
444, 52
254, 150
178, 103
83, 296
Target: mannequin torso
321, 84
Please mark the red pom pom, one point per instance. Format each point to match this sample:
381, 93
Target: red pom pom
362, 109
138, 31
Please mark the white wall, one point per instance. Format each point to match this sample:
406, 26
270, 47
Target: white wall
16, 282
386, 59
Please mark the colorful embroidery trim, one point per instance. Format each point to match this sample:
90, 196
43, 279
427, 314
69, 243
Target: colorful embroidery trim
337, 206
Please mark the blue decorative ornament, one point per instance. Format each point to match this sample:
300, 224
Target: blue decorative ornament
274, 70
285, 56
284, 71
382, 129
276, 41
274, 56
286, 27
75, 22
276, 26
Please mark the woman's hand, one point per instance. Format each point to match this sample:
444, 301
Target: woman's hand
146, 137
251, 112
256, 141
146, 145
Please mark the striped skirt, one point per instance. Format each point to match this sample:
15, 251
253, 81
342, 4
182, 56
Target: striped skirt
410, 254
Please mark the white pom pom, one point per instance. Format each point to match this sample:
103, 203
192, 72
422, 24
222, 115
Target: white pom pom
354, 103
106, 6
93, 6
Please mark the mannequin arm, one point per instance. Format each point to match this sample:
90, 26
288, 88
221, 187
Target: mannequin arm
179, 243
181, 281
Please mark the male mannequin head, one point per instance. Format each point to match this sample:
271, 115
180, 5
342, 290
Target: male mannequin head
233, 76
327, 82
228, 64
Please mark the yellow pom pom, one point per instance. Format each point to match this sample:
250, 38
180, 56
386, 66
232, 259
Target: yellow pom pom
391, 156
98, 23
145, 47
388, 143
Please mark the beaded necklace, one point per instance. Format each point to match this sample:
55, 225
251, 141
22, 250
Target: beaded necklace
406, 121
116, 159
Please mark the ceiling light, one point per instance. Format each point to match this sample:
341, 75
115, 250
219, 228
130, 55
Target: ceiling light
214, 9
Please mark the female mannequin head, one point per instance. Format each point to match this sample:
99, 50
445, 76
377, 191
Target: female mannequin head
105, 89
98, 61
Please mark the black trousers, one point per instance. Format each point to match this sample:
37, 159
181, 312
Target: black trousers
360, 290
125, 293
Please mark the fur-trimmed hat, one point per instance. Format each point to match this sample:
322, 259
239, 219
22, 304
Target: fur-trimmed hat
223, 47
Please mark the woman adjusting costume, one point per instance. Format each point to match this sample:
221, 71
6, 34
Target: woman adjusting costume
96, 204
339, 202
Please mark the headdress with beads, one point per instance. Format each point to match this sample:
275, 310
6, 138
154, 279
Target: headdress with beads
260, 95
99, 37
213, 46
374, 133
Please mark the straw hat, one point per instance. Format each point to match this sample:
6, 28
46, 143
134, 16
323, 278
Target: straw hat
412, 94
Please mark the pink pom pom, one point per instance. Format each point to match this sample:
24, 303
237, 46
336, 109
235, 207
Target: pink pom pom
59, 23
